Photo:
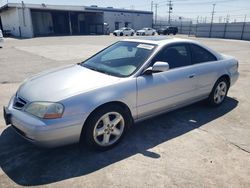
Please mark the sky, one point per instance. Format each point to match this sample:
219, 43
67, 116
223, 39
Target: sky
194, 9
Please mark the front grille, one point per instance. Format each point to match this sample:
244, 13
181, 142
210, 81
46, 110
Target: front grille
19, 102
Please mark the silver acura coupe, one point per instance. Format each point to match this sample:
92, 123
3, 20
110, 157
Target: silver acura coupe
96, 101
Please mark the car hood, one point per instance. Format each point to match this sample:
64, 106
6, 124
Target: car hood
56, 85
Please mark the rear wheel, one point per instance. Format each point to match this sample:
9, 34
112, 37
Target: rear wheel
121, 34
153, 33
132, 34
106, 127
219, 92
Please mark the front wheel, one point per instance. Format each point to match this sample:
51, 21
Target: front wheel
219, 92
106, 127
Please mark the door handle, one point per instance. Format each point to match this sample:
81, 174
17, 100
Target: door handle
191, 76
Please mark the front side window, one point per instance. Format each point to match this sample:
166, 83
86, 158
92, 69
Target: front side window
176, 56
121, 59
200, 55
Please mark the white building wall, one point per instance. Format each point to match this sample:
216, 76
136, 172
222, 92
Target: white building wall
10, 21
137, 20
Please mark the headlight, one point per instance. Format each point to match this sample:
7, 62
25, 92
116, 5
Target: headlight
46, 110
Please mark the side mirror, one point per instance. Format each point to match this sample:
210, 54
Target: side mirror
159, 66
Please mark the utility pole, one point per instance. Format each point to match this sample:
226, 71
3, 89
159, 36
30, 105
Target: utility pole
152, 7
156, 6
211, 25
228, 18
243, 27
170, 8
196, 27
225, 28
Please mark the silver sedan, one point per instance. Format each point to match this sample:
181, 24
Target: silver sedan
96, 101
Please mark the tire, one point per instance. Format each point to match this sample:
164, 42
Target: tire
113, 133
153, 33
115, 34
132, 34
121, 34
219, 92
143, 34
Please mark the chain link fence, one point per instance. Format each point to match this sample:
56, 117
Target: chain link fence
235, 30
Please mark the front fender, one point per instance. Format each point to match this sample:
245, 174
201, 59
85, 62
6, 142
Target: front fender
124, 91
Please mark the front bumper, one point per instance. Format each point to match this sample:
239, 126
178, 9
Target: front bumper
46, 133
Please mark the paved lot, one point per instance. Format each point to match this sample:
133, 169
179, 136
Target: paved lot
196, 146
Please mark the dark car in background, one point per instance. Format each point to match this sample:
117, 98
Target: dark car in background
168, 30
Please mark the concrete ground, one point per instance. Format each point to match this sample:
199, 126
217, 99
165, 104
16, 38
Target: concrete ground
196, 146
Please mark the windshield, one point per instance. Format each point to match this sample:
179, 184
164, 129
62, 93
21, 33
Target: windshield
121, 59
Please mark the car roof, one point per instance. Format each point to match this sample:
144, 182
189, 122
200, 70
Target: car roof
158, 40
163, 40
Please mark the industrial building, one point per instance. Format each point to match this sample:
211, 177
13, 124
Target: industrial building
31, 20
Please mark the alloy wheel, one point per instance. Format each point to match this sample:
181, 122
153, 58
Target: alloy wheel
108, 129
220, 92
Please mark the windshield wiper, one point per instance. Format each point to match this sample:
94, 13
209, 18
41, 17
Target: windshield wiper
96, 69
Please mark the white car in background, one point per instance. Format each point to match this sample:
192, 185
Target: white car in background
146, 31
124, 31
1, 38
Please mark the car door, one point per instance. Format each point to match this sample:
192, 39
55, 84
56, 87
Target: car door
165, 90
127, 31
147, 31
206, 67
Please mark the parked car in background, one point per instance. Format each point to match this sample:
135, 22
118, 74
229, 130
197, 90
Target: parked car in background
168, 30
127, 82
146, 31
1, 38
124, 31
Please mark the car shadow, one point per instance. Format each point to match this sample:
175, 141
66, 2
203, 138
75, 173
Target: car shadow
29, 165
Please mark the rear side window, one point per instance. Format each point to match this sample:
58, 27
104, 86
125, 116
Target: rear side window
200, 55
